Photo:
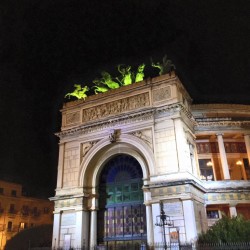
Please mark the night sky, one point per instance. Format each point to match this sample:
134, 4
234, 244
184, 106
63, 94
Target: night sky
48, 46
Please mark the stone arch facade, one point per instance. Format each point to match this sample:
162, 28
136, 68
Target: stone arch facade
104, 150
153, 122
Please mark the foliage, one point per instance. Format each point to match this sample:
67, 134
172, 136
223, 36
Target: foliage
40, 236
235, 229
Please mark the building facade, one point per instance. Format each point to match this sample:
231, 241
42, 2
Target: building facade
18, 212
127, 153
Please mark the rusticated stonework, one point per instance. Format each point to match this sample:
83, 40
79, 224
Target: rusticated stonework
116, 107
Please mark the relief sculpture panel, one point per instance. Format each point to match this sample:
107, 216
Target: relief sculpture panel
161, 94
73, 118
116, 107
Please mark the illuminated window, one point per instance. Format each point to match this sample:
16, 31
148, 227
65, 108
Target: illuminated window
247, 167
23, 225
213, 214
206, 169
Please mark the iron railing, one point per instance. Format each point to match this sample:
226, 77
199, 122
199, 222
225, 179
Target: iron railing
160, 246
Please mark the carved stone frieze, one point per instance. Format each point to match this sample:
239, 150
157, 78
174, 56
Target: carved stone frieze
73, 118
110, 123
126, 119
161, 94
116, 107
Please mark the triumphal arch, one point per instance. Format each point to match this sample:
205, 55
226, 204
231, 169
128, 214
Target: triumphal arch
122, 153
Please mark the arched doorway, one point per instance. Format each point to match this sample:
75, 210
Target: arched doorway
122, 214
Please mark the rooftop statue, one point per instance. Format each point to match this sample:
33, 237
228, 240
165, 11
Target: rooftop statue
107, 80
79, 92
126, 75
165, 67
140, 73
99, 89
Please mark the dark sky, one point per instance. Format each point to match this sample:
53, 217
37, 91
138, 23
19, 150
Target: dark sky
48, 46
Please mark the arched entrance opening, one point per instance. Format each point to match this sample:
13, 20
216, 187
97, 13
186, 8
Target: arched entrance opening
121, 214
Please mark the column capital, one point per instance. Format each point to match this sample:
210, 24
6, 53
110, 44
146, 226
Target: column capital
219, 134
233, 204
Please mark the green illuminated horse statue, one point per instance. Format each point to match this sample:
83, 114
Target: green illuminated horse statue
165, 67
140, 73
107, 80
79, 92
100, 89
126, 75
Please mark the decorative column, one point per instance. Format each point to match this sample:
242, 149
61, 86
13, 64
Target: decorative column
56, 230
149, 216
189, 219
247, 142
223, 157
232, 210
82, 229
60, 166
93, 225
182, 148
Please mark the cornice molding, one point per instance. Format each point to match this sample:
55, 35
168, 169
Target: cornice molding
231, 107
137, 116
224, 123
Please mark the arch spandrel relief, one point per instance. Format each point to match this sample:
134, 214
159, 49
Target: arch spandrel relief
145, 135
85, 147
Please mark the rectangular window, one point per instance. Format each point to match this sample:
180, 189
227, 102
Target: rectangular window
247, 167
9, 228
213, 214
46, 210
12, 208
25, 210
1, 209
206, 169
23, 225
13, 193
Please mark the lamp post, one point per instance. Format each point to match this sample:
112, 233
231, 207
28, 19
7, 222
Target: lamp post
178, 232
163, 220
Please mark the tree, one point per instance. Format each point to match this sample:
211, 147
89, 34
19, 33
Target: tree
40, 236
235, 229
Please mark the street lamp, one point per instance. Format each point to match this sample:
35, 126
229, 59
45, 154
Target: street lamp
163, 220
